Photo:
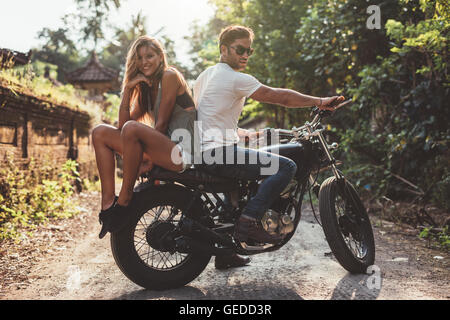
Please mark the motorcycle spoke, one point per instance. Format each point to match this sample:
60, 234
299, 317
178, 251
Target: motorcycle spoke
144, 223
351, 245
165, 260
142, 242
159, 212
158, 263
150, 254
357, 247
153, 258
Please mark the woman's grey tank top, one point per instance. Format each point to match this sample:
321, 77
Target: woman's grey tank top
180, 119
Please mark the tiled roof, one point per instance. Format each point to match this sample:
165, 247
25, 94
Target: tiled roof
93, 71
10, 58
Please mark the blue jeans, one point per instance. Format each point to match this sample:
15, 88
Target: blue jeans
248, 164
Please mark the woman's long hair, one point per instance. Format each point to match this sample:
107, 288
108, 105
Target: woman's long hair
141, 92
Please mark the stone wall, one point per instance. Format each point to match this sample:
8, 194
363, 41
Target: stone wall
30, 127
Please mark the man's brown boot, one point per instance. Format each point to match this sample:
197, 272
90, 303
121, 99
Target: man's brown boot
249, 228
230, 261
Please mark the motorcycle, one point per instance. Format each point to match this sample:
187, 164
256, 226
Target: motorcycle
178, 225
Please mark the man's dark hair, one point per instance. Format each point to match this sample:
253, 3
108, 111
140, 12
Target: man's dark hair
231, 33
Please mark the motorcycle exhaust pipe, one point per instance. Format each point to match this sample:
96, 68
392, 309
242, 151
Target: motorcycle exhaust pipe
190, 245
196, 230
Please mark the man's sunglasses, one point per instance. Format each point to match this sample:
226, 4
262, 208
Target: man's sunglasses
240, 50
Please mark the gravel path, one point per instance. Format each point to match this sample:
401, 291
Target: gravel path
66, 260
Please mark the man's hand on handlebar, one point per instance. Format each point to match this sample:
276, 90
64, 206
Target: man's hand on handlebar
330, 103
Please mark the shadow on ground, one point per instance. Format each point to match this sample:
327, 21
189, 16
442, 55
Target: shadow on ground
358, 287
230, 292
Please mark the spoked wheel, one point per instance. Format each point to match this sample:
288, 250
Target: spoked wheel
144, 253
150, 229
346, 225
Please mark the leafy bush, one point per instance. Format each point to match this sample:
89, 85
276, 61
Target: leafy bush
439, 238
111, 112
395, 137
400, 119
34, 194
442, 190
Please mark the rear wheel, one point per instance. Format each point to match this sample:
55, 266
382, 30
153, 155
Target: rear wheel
138, 251
346, 225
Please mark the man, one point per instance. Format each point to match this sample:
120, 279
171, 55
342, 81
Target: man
219, 94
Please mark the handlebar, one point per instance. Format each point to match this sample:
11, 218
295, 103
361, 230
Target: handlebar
318, 113
326, 113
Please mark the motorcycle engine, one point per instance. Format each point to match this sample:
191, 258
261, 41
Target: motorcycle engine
275, 223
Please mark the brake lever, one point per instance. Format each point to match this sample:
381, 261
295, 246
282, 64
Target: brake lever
335, 104
326, 113
343, 104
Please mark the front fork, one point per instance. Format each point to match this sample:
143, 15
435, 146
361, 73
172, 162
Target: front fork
340, 180
331, 160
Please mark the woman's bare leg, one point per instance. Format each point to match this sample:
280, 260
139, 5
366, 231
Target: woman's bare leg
138, 138
106, 141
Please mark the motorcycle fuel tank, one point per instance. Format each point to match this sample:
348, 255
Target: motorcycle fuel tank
300, 153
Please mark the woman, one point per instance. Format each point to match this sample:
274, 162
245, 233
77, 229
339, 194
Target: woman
156, 92
160, 93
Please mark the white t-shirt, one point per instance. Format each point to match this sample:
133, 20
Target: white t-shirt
219, 95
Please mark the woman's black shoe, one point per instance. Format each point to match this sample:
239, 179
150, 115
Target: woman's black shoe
105, 217
117, 217
113, 219
120, 217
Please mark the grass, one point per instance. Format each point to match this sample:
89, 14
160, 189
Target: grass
23, 80
34, 194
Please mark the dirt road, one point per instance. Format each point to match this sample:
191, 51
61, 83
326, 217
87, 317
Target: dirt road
70, 262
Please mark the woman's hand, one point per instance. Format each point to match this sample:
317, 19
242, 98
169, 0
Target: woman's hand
247, 134
125, 114
146, 165
253, 135
136, 80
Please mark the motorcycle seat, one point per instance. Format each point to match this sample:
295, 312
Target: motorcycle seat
194, 177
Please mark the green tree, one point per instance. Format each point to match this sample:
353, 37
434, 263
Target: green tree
92, 17
204, 45
58, 49
407, 93
276, 60
115, 52
397, 77
64, 46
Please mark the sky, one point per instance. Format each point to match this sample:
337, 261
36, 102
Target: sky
21, 20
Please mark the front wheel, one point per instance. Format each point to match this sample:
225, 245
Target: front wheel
346, 225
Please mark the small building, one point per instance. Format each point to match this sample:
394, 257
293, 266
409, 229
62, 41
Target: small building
94, 77
45, 131
10, 58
